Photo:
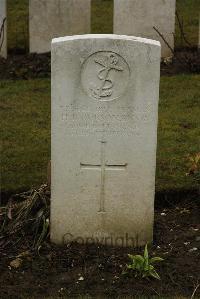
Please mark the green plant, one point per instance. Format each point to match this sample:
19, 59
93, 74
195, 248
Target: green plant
142, 266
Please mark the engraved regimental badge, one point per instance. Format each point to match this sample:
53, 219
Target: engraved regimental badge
105, 76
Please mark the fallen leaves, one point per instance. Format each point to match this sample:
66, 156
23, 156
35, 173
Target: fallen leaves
16, 263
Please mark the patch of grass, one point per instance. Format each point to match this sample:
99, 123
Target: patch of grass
25, 120
102, 21
178, 131
102, 16
25, 123
188, 11
18, 24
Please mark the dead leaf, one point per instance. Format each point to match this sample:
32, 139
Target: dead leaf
9, 213
24, 253
16, 263
185, 211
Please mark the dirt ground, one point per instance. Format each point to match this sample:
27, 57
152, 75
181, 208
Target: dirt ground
96, 270
27, 66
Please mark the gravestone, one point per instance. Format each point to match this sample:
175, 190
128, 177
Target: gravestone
54, 18
138, 17
3, 29
105, 91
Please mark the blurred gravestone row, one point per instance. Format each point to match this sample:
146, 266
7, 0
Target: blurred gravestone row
48, 19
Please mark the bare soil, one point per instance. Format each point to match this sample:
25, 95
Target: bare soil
96, 270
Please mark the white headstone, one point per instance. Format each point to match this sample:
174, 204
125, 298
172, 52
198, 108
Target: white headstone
105, 91
3, 29
138, 17
54, 18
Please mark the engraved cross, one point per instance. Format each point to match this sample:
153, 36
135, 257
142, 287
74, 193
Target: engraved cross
103, 167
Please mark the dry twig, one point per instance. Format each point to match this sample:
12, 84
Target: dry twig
25, 212
2, 33
195, 289
181, 30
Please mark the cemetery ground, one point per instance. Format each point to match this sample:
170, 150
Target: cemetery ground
32, 267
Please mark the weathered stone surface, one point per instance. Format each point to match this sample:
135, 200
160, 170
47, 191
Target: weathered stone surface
138, 17
3, 29
54, 18
105, 91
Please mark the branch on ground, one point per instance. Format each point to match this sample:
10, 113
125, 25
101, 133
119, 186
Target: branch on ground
2, 35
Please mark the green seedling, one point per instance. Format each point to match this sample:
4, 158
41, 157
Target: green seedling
142, 266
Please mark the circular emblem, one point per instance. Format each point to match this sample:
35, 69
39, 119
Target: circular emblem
105, 76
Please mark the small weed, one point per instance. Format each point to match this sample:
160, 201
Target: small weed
193, 162
142, 266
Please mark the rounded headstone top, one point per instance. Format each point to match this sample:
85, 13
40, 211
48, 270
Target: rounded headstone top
105, 36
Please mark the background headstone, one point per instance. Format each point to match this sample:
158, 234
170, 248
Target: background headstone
54, 18
105, 91
3, 29
138, 17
